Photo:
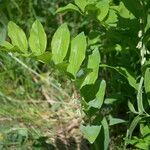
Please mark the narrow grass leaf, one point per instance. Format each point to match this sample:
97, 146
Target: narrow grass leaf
140, 97
110, 101
106, 133
131, 108
114, 121
147, 83
134, 123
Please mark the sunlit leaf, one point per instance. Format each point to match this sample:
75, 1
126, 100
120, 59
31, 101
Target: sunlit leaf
81, 4
77, 54
37, 39
45, 57
18, 37
60, 43
69, 7
93, 63
6, 46
124, 12
103, 7
112, 18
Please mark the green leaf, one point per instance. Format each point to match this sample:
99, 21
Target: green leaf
81, 4
6, 46
109, 101
114, 121
144, 129
90, 132
37, 39
2, 33
45, 57
69, 7
134, 123
88, 92
98, 101
140, 97
131, 107
93, 63
103, 7
142, 145
124, 12
135, 7
112, 18
147, 83
125, 73
18, 37
77, 54
106, 133
60, 43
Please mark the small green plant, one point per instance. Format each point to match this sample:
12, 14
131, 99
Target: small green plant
108, 63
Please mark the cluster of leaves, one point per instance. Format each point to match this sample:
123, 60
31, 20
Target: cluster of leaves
116, 52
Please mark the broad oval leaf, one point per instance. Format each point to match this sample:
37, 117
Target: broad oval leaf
103, 7
93, 63
90, 132
77, 54
81, 4
37, 39
98, 101
18, 37
69, 7
60, 43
